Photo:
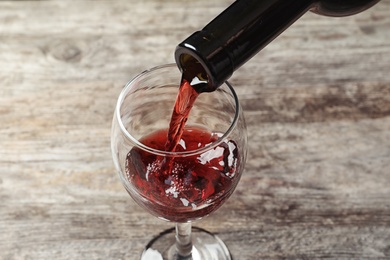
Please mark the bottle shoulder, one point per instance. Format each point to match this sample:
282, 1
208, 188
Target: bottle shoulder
340, 8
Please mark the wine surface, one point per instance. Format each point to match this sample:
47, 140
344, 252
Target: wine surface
191, 186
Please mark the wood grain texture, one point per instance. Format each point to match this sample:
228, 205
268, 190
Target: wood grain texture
316, 101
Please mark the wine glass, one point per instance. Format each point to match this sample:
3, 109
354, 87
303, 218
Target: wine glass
189, 183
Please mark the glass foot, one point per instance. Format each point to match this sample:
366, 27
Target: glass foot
205, 246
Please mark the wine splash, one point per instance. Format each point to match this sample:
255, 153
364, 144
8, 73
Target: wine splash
195, 185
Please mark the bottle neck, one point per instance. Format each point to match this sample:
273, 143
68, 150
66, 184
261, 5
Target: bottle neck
236, 35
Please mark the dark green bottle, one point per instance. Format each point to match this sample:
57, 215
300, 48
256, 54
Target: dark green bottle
243, 29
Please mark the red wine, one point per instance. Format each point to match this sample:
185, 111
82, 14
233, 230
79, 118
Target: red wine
184, 102
183, 188
192, 186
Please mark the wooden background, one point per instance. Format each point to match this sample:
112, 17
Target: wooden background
316, 100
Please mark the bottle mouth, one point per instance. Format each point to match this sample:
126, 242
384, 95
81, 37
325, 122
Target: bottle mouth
149, 73
203, 48
191, 65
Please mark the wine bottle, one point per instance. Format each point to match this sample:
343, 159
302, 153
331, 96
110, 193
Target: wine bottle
242, 30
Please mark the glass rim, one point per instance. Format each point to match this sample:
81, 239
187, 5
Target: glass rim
170, 153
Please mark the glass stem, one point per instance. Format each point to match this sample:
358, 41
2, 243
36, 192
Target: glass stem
183, 240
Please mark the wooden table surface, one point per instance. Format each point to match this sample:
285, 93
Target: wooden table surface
316, 101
